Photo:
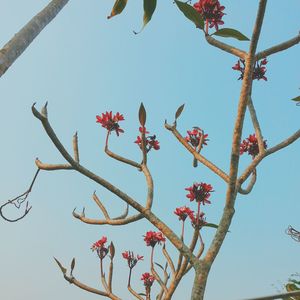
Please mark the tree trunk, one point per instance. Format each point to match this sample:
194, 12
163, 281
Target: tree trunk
200, 280
17, 45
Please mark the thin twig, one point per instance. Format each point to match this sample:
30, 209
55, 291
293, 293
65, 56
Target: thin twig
87, 288
256, 125
168, 258
52, 167
120, 158
134, 293
17, 201
250, 185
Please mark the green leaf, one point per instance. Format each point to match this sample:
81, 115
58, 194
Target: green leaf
231, 33
149, 8
142, 115
118, 8
296, 99
64, 270
179, 111
211, 225
191, 13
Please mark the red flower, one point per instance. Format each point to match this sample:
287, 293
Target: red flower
131, 259
148, 279
250, 145
110, 122
201, 222
199, 192
211, 11
100, 248
152, 238
183, 212
258, 71
194, 137
150, 140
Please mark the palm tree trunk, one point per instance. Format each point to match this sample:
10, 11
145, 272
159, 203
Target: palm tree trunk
17, 45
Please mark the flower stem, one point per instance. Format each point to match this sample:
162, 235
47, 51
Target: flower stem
182, 231
198, 213
129, 277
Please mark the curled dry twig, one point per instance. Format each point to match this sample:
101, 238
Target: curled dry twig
18, 201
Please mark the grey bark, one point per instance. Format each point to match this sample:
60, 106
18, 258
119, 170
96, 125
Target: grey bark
21, 40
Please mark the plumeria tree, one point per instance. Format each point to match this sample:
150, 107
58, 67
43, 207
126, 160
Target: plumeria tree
194, 254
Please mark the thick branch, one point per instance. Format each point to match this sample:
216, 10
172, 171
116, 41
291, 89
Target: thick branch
201, 276
280, 47
227, 48
17, 45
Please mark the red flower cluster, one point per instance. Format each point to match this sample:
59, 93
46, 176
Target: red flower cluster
152, 238
199, 192
110, 122
250, 145
201, 222
258, 72
184, 212
151, 141
194, 137
100, 248
211, 11
131, 259
148, 279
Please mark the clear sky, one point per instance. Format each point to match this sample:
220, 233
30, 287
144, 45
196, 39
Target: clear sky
83, 65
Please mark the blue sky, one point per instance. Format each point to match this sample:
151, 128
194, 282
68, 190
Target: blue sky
83, 65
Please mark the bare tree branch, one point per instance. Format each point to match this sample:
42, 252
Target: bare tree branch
269, 151
280, 47
168, 258
204, 266
52, 167
18, 44
227, 48
145, 212
120, 158
250, 185
18, 201
87, 288
134, 293
256, 125
196, 155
